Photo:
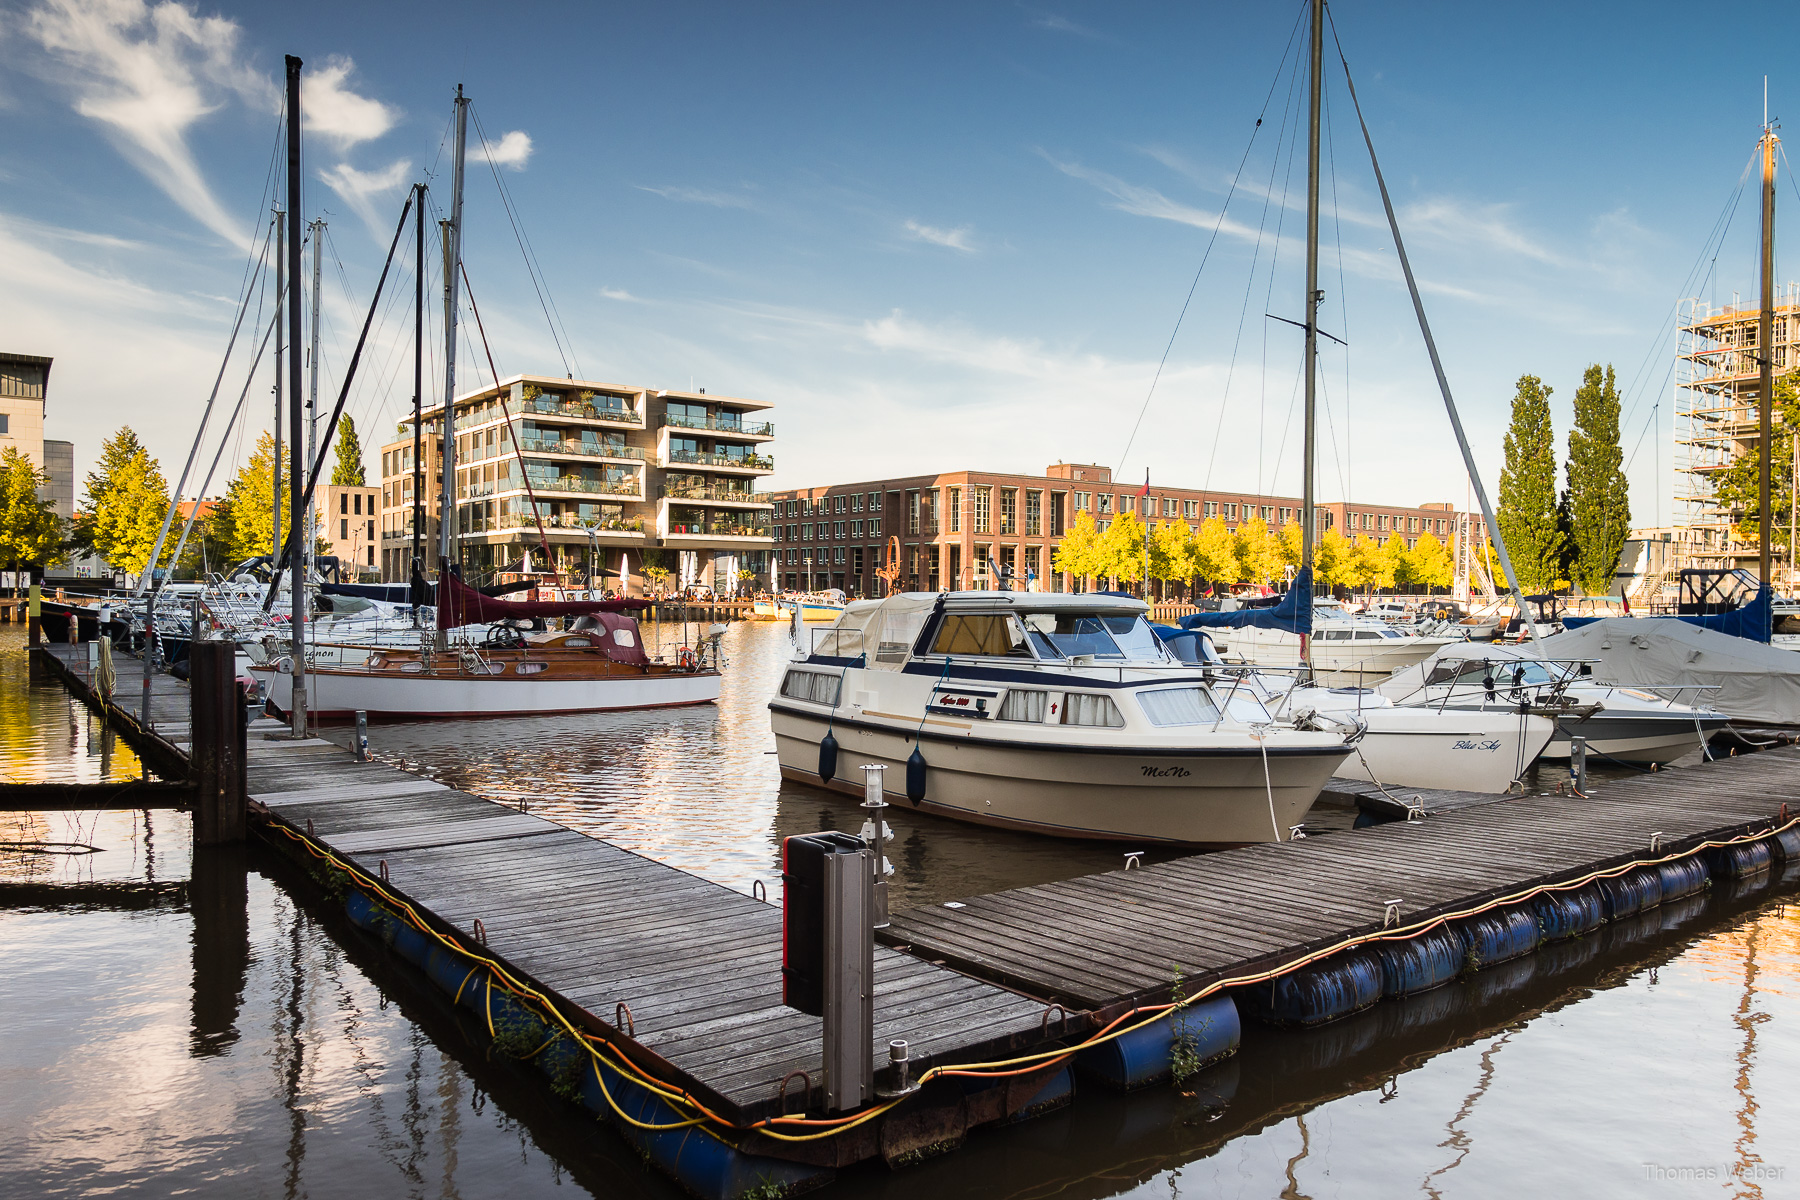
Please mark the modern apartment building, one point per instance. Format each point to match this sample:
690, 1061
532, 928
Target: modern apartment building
664, 477
946, 529
24, 397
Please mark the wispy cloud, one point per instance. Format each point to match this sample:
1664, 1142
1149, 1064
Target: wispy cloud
147, 73
337, 114
619, 294
1475, 225
361, 189
955, 239
692, 195
1057, 23
512, 150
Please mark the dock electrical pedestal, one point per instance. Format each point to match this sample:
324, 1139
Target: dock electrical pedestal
828, 955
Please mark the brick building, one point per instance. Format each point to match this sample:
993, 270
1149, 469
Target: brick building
946, 529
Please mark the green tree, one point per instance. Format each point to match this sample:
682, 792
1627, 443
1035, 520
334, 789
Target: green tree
1122, 549
1736, 486
1599, 502
1078, 554
1527, 516
1258, 551
31, 534
348, 471
115, 452
249, 499
1430, 563
1215, 552
128, 510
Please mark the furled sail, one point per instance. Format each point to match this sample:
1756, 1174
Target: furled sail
1294, 613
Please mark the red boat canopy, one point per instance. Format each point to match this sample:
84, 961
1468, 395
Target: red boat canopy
460, 604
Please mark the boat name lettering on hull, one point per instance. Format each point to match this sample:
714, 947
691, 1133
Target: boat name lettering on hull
1165, 772
1471, 744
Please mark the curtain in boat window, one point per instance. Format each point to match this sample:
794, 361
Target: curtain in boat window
1080, 708
1024, 704
1179, 706
815, 686
994, 634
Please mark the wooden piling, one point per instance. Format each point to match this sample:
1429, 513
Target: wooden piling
217, 750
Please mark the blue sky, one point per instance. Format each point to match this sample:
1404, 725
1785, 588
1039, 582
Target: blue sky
936, 236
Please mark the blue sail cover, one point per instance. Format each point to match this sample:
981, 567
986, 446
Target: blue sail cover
1755, 620
1293, 614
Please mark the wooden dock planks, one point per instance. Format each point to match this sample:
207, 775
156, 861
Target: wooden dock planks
698, 965
1107, 941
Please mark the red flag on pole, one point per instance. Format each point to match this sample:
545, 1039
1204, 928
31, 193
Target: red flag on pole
1145, 490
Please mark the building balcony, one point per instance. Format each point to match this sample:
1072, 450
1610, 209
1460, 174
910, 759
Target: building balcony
629, 488
632, 528
719, 495
715, 530
581, 410
760, 464
575, 446
729, 424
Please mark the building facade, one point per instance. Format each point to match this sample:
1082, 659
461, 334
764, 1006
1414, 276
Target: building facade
24, 400
958, 530
595, 472
348, 517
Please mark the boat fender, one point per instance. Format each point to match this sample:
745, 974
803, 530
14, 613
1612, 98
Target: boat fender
828, 748
915, 776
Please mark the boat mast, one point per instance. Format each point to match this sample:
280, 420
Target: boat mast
312, 388
1765, 346
452, 263
275, 462
417, 577
296, 468
1308, 517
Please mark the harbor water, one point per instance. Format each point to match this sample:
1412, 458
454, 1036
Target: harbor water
208, 1027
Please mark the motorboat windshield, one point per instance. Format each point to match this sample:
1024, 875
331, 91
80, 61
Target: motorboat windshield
1062, 635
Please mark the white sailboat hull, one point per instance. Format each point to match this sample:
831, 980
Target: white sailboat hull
341, 694
1359, 663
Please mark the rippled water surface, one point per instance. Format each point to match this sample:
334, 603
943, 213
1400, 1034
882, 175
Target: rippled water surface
183, 1026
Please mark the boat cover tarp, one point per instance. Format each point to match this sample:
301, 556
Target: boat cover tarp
460, 604
1755, 621
391, 593
1294, 613
1754, 682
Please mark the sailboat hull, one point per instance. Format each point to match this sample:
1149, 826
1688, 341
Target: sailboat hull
341, 694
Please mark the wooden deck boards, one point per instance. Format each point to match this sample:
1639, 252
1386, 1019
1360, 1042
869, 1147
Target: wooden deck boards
1113, 939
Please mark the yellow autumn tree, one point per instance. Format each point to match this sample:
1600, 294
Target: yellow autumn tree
1215, 552
1079, 552
1259, 551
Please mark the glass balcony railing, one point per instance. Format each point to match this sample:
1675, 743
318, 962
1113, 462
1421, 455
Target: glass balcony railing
717, 528
598, 487
723, 423
543, 445
698, 491
583, 409
755, 462
568, 521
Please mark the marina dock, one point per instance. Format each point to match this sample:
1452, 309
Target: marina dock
654, 997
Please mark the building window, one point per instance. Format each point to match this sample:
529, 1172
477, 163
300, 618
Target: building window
984, 498
874, 526
358, 504
955, 503
856, 529
1081, 500
1105, 505
1032, 562
912, 512
1009, 510
856, 502
874, 501
1231, 512
343, 530
982, 551
955, 579
1034, 514
843, 504
343, 503
1287, 514
1056, 514
806, 533
933, 558
837, 555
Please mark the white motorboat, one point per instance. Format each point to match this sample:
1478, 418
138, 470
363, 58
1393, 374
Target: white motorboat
1466, 750
1632, 724
1059, 714
1346, 648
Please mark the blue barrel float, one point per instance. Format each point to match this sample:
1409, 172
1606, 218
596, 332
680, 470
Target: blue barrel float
1787, 844
1568, 914
1146, 1055
1332, 988
700, 1161
1683, 877
1740, 860
1420, 963
1498, 936
1631, 892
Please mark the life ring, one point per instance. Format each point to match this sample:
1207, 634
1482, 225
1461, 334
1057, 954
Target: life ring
687, 658
1443, 614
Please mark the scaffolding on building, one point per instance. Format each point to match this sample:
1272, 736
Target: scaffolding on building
1717, 415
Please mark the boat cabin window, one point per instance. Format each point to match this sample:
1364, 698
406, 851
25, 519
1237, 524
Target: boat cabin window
1135, 637
1179, 706
899, 630
1063, 635
814, 686
1024, 704
624, 637
992, 634
1080, 708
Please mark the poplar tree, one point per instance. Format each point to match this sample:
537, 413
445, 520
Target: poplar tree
128, 501
115, 452
348, 471
1527, 516
1599, 502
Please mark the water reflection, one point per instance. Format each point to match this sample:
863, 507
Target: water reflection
45, 734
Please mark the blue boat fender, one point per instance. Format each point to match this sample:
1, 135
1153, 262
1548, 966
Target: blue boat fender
1418, 964
828, 748
1568, 914
915, 776
1501, 935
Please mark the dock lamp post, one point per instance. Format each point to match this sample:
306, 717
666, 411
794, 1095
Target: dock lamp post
593, 536
875, 831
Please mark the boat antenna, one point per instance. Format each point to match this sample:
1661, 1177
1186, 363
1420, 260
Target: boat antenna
1437, 364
